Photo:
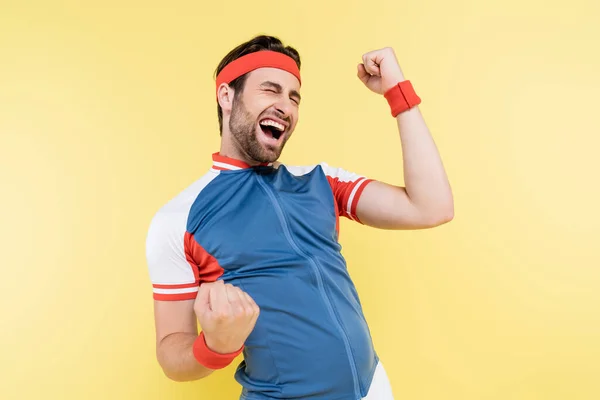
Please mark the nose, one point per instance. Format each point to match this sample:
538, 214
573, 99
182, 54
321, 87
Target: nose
284, 107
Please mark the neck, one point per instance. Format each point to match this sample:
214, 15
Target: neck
229, 148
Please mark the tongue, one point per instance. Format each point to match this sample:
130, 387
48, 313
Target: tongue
268, 131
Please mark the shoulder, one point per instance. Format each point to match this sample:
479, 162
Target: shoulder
171, 218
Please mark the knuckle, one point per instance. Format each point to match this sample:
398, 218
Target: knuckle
234, 303
222, 315
240, 311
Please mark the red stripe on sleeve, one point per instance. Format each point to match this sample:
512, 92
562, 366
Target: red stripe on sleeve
182, 286
175, 296
363, 184
342, 192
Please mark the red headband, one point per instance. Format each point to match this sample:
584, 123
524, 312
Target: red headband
258, 59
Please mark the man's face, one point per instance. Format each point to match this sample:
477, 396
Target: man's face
265, 114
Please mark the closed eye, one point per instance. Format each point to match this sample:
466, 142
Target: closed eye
276, 88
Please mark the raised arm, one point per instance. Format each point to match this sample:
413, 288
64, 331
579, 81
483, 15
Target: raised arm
426, 200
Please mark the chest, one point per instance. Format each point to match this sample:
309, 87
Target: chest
248, 217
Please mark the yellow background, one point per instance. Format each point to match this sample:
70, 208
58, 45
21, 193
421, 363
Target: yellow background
107, 111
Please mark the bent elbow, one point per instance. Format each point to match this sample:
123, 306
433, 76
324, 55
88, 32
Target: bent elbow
172, 373
447, 215
180, 378
441, 216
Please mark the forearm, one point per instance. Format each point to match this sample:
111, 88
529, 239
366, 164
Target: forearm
177, 360
425, 179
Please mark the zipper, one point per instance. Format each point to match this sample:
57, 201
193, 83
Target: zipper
314, 264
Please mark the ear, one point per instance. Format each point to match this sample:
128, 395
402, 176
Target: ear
225, 97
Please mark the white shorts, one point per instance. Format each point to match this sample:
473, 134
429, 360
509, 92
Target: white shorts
380, 387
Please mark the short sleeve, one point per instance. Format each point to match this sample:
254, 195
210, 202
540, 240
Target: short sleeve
347, 188
173, 276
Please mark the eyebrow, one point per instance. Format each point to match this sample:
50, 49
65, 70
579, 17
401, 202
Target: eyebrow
279, 88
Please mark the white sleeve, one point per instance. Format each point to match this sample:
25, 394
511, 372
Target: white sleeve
172, 276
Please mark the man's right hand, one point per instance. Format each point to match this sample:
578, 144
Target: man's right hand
227, 316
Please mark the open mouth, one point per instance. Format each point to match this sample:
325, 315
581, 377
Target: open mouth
272, 129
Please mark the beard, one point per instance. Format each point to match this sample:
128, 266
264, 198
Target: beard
243, 127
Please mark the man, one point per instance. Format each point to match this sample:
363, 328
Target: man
250, 250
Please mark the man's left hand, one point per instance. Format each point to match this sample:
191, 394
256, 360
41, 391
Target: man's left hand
380, 70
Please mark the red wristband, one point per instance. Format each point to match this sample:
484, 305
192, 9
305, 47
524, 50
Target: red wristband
401, 97
209, 358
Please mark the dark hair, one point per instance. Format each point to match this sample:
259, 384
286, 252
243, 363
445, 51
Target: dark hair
255, 44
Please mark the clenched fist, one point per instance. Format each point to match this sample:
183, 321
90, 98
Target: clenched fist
226, 314
380, 70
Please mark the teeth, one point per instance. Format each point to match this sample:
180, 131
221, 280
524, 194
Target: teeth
277, 125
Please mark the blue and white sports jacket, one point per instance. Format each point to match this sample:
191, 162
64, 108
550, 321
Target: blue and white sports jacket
273, 232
